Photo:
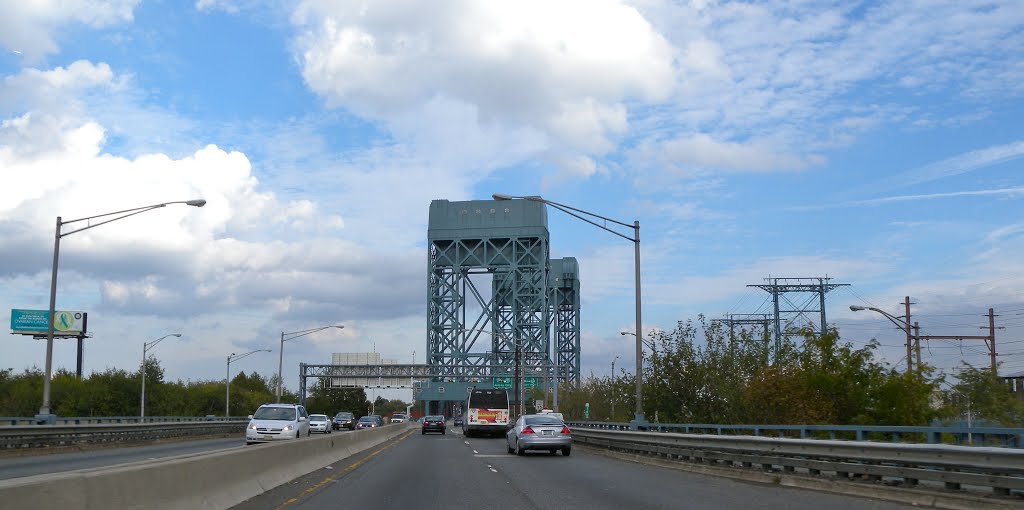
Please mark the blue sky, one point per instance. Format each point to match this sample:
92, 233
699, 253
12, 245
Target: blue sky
877, 143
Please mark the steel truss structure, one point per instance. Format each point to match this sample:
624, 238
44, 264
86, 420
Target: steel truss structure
509, 242
787, 321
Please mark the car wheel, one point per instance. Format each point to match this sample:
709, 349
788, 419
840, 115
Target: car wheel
423, 432
509, 447
519, 450
442, 432
247, 443
566, 451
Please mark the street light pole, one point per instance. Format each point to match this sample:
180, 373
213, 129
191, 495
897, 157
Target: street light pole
280, 358
639, 418
227, 378
44, 410
145, 346
613, 387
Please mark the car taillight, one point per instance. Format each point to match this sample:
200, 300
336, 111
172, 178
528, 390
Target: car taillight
528, 430
565, 430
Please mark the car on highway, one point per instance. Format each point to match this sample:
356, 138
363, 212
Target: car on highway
273, 422
344, 420
433, 424
457, 422
367, 422
320, 423
398, 418
379, 418
539, 432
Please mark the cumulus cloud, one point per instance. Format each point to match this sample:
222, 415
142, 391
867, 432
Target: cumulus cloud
246, 249
31, 27
565, 70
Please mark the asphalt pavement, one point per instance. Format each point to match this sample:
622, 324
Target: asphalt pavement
18, 466
452, 472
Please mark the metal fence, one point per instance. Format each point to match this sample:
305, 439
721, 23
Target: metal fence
941, 467
93, 420
56, 436
969, 436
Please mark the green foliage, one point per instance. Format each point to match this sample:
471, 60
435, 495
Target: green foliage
117, 392
980, 396
700, 373
326, 400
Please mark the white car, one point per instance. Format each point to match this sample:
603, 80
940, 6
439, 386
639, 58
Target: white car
320, 423
272, 422
398, 418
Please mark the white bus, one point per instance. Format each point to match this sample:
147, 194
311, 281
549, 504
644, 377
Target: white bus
486, 413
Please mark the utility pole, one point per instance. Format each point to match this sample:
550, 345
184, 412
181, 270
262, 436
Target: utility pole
906, 321
917, 345
989, 339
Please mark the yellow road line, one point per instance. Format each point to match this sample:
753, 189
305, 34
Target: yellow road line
342, 472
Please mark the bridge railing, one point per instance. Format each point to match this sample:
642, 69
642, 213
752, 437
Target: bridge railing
971, 436
944, 468
94, 420
20, 437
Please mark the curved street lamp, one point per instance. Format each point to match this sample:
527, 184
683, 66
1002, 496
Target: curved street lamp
904, 325
145, 347
638, 418
227, 378
44, 411
280, 359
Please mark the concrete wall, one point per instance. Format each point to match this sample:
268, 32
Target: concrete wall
200, 481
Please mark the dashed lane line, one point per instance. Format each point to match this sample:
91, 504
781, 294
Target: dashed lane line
350, 467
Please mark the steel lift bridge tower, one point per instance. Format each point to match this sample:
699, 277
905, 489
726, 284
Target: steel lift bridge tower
473, 332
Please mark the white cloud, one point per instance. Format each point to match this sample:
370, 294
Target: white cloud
30, 28
562, 69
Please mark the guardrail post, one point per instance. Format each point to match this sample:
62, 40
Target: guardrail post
861, 435
933, 437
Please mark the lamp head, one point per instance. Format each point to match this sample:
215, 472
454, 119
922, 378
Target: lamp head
176, 334
501, 196
196, 203
857, 308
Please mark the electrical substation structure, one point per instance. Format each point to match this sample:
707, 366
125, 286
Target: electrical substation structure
787, 321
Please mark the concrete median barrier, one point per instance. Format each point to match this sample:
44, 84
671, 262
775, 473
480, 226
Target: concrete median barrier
199, 481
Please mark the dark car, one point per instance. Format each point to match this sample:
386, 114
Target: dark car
433, 424
344, 420
367, 422
457, 422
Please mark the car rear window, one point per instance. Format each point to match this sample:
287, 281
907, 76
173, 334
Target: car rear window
542, 420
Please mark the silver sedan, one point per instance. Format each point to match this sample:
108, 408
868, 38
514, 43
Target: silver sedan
539, 432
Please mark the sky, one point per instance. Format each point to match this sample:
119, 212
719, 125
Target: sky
879, 144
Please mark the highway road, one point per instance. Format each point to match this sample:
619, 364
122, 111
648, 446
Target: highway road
453, 472
18, 466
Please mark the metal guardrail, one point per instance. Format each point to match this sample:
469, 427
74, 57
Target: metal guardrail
910, 465
972, 436
51, 436
92, 420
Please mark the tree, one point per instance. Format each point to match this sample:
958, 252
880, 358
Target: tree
327, 400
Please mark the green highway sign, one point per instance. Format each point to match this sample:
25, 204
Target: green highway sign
505, 383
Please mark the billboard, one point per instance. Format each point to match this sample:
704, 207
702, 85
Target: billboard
34, 322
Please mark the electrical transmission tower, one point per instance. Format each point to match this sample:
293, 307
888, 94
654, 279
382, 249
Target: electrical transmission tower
788, 315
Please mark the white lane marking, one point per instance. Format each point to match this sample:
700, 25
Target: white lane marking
489, 455
467, 442
474, 451
492, 469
